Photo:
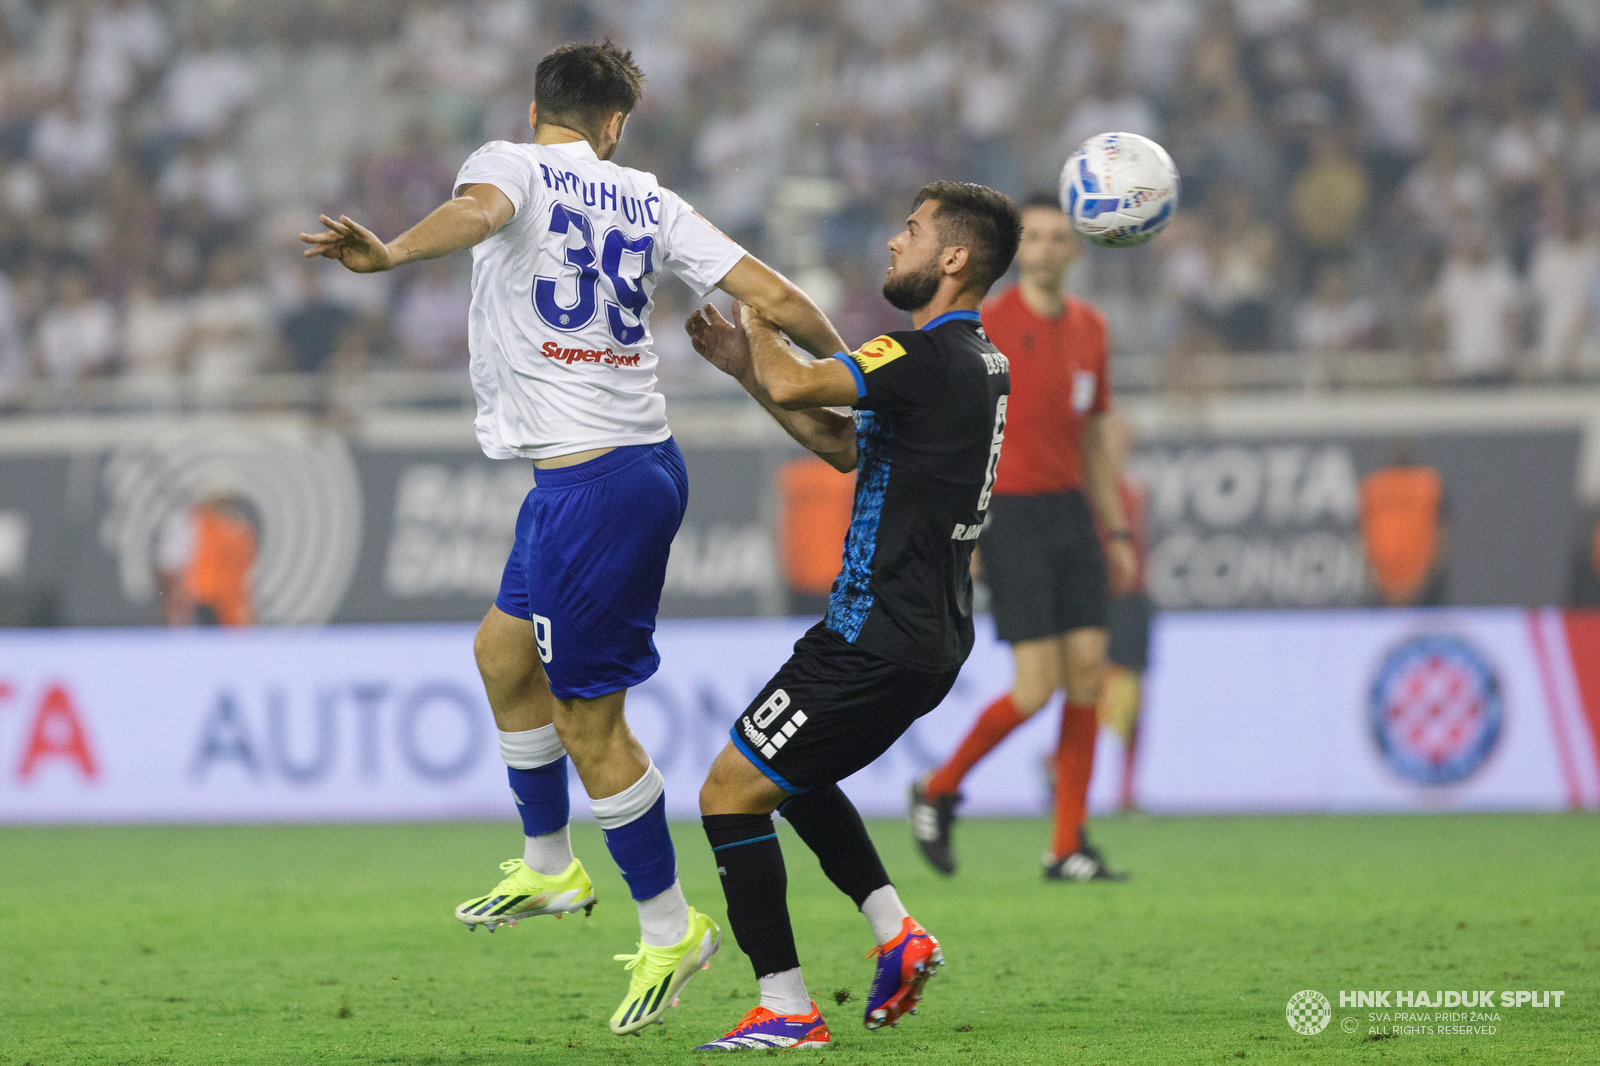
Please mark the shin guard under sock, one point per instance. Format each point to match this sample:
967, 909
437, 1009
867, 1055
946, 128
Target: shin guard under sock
755, 884
634, 822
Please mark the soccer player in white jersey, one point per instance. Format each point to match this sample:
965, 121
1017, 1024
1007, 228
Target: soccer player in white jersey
566, 251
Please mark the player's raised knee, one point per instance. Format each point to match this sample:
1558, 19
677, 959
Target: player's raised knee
502, 659
715, 793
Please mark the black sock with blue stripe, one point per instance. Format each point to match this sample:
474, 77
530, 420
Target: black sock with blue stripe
756, 886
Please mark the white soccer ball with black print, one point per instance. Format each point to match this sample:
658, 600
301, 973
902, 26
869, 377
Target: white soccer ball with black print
1119, 189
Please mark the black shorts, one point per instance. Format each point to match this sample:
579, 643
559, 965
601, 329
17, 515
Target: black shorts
1130, 631
832, 709
1044, 566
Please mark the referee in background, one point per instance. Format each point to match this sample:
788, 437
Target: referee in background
1040, 553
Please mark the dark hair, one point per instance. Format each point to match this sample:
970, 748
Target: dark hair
582, 85
984, 222
1042, 198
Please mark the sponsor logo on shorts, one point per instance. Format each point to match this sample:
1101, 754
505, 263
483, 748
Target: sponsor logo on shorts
604, 356
752, 734
765, 716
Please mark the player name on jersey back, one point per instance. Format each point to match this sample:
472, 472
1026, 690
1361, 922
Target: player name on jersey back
559, 331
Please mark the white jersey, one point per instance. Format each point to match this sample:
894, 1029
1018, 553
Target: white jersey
559, 330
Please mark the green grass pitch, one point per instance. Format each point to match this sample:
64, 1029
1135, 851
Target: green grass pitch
336, 944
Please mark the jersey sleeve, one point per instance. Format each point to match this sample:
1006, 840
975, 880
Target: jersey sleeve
892, 373
500, 164
696, 251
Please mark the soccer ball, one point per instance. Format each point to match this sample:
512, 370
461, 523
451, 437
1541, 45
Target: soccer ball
1119, 189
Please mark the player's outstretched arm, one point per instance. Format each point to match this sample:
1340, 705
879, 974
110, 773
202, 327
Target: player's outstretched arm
723, 344
456, 224
793, 379
758, 286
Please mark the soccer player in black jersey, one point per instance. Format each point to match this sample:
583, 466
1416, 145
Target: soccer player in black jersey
930, 408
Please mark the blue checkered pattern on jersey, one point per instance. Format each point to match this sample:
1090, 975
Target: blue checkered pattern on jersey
851, 599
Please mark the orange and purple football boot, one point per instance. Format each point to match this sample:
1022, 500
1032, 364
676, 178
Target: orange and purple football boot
904, 966
762, 1030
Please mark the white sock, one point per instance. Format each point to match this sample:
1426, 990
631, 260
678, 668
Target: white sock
664, 919
884, 912
531, 748
548, 853
785, 993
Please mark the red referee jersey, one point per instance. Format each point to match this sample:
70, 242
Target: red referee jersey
1060, 375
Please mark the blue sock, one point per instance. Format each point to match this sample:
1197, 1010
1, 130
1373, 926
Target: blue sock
643, 852
542, 797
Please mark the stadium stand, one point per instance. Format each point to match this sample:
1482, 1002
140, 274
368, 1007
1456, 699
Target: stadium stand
1374, 194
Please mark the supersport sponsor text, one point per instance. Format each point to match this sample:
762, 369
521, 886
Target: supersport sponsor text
605, 356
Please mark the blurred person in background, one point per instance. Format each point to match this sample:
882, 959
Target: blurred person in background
1244, 255
129, 37
989, 95
1237, 153
1521, 154
430, 318
1113, 104
77, 334
1048, 577
1335, 318
73, 144
1403, 530
233, 327
457, 59
156, 331
1443, 193
208, 84
206, 174
14, 356
315, 325
410, 178
1477, 306
1550, 46
205, 554
1483, 55
1393, 82
1579, 135
1328, 199
1562, 271
740, 155
1128, 618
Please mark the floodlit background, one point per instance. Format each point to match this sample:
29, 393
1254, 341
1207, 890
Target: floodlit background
1388, 254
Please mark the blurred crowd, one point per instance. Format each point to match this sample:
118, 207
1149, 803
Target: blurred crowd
1380, 175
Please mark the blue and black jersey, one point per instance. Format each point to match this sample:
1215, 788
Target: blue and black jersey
930, 417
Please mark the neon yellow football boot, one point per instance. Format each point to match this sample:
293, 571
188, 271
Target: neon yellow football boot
525, 894
659, 974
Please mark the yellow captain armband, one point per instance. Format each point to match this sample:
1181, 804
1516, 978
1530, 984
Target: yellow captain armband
877, 352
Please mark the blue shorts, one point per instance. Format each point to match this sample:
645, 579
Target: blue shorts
589, 562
